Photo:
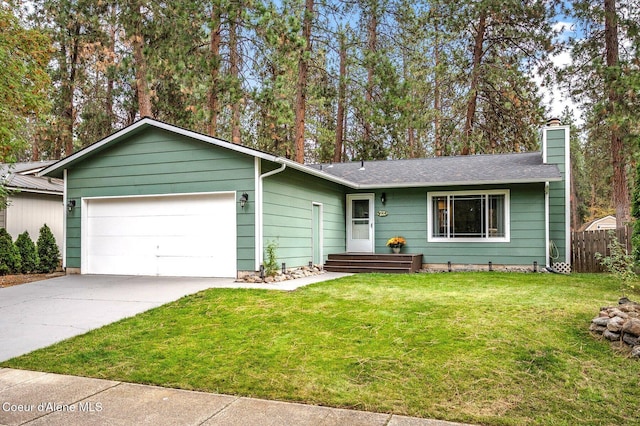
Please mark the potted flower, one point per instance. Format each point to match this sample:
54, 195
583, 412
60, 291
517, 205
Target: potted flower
396, 243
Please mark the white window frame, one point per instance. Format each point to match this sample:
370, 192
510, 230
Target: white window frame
507, 217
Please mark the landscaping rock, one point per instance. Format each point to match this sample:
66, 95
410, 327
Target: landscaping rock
618, 313
615, 324
626, 301
610, 335
630, 339
632, 326
620, 323
601, 321
290, 274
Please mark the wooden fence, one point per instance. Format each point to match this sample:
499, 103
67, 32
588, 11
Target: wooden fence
585, 245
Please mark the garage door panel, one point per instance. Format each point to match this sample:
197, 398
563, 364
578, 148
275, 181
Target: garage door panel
119, 265
197, 266
186, 235
119, 245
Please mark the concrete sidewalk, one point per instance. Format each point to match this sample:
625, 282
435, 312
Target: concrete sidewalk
34, 398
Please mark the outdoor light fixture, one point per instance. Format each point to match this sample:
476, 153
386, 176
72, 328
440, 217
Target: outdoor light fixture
71, 204
383, 198
243, 199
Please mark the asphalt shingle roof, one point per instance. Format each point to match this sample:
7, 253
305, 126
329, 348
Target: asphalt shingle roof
441, 171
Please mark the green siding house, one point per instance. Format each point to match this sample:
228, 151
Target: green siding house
155, 199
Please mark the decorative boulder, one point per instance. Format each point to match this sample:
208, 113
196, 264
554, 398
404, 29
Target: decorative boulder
610, 335
630, 339
632, 326
615, 324
601, 321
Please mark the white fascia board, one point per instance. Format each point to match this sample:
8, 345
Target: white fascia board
194, 135
160, 125
93, 147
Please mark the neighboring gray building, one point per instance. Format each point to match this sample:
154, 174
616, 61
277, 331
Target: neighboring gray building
32, 201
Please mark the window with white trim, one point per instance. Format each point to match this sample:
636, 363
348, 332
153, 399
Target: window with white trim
469, 216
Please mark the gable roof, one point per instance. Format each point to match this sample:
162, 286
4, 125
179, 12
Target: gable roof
441, 171
22, 177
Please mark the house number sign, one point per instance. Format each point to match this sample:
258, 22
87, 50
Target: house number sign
382, 213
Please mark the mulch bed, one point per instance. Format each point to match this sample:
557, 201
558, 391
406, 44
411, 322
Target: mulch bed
11, 280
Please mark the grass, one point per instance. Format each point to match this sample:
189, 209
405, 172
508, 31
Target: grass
490, 348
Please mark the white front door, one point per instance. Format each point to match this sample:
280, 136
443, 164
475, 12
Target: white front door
360, 232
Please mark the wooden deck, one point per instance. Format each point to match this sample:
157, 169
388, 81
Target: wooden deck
374, 262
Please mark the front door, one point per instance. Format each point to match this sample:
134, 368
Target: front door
360, 235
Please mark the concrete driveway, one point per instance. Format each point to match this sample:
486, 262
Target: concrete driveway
38, 314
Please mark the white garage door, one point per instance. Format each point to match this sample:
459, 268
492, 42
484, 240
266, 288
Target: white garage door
178, 235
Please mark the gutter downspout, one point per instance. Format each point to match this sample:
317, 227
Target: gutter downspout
64, 220
546, 225
260, 211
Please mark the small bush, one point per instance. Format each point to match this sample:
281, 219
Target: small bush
48, 251
620, 264
10, 261
28, 253
271, 261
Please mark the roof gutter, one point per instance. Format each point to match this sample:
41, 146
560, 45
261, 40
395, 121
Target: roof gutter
458, 183
15, 189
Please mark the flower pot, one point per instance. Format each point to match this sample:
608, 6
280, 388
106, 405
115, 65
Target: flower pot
396, 250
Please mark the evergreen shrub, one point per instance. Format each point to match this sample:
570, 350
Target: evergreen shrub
10, 261
28, 253
48, 251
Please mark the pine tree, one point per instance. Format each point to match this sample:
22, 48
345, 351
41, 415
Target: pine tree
48, 251
603, 79
635, 213
10, 261
28, 253
24, 55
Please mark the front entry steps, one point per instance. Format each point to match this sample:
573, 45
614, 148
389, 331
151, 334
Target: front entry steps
372, 262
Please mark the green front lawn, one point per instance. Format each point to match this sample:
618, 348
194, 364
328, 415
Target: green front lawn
490, 348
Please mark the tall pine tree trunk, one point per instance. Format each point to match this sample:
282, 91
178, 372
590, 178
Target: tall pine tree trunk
475, 78
142, 87
301, 90
620, 184
234, 70
342, 89
68, 90
372, 46
214, 52
112, 63
437, 101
